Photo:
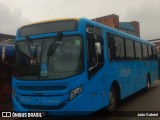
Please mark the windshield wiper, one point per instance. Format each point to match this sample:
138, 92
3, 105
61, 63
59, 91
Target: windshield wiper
53, 46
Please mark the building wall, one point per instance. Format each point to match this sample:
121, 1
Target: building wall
136, 25
130, 28
109, 20
113, 21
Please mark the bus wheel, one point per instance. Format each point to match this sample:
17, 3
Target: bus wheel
112, 99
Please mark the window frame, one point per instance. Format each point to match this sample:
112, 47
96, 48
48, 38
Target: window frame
154, 55
146, 51
127, 39
141, 58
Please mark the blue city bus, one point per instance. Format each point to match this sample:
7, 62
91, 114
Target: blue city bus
71, 66
7, 50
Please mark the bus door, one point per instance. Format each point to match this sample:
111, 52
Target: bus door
95, 60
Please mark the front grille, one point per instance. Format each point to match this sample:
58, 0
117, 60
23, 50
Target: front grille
42, 88
43, 107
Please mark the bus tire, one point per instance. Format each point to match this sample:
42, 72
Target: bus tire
112, 99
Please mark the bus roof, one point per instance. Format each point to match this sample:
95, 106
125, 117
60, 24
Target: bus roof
109, 29
51, 20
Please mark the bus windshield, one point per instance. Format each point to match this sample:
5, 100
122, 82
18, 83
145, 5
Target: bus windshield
33, 62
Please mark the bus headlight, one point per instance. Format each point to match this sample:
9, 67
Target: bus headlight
75, 92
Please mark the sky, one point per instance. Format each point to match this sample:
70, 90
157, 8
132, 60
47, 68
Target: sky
15, 13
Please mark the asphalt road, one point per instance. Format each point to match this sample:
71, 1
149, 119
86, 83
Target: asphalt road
142, 101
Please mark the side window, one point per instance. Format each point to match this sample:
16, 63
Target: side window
91, 50
154, 53
116, 47
111, 46
138, 51
145, 52
150, 55
129, 49
119, 44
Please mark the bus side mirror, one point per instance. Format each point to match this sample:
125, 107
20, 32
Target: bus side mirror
3, 52
98, 48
